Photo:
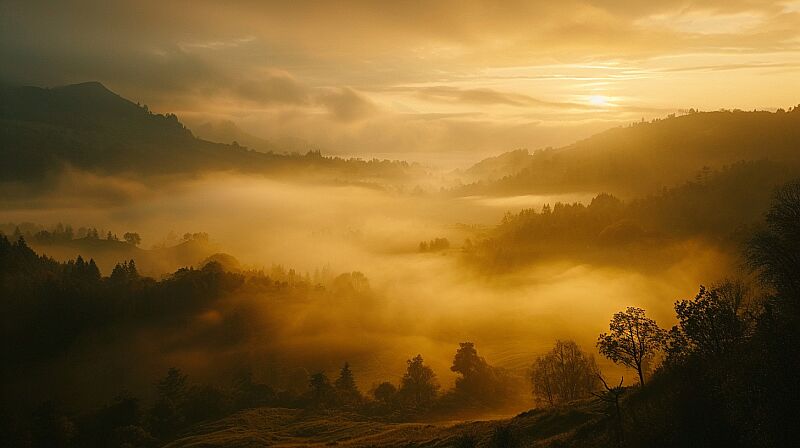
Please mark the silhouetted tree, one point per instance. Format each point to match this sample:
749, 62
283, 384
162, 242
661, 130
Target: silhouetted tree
611, 400
321, 390
564, 374
124, 271
774, 252
418, 386
132, 238
93, 272
478, 381
385, 393
632, 341
346, 388
166, 415
711, 324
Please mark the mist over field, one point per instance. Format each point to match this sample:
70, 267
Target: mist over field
415, 302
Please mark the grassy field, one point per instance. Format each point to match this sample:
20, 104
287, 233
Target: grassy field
297, 428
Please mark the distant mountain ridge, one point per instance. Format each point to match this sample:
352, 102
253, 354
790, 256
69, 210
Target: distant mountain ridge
644, 157
88, 127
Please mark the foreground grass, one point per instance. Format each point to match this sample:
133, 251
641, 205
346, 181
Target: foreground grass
280, 427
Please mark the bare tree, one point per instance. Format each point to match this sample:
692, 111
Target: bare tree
611, 400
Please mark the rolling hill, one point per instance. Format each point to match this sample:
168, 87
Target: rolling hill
291, 427
644, 157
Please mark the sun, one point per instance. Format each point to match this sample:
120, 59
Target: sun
598, 100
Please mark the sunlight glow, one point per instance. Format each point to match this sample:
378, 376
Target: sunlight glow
598, 100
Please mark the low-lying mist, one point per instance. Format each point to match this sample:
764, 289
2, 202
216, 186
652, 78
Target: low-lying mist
415, 302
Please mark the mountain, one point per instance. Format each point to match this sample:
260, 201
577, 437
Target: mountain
88, 127
644, 157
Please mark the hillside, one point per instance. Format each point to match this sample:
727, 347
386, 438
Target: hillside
622, 160
88, 127
495, 168
719, 207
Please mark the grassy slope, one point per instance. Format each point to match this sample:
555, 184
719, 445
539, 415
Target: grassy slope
622, 160
291, 427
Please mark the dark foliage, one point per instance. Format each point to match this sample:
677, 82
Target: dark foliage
720, 207
730, 376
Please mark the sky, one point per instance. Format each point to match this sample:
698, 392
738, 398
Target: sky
448, 82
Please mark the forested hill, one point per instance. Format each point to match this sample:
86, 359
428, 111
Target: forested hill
643, 157
88, 127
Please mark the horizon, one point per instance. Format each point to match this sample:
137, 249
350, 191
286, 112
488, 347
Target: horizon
442, 161
453, 82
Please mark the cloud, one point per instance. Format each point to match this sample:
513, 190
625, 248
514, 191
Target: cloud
346, 105
272, 87
481, 96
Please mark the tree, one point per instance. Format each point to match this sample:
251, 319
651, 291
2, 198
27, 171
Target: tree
92, 270
611, 400
774, 252
166, 415
467, 362
322, 393
564, 374
632, 341
478, 381
385, 392
119, 273
124, 271
418, 386
174, 385
710, 324
132, 238
346, 387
